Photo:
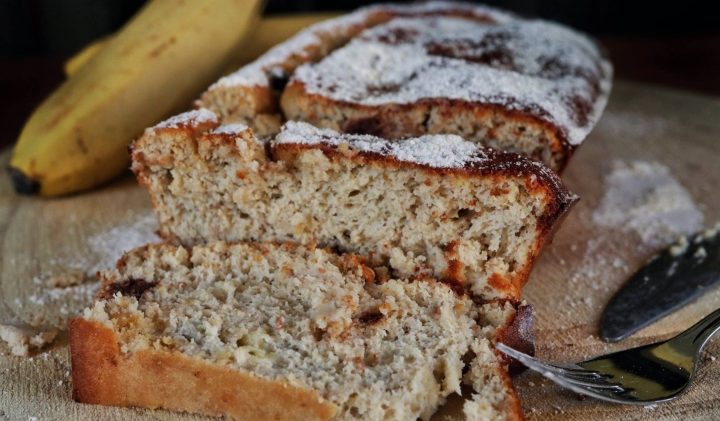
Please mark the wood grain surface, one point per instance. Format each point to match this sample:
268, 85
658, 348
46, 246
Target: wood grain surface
40, 238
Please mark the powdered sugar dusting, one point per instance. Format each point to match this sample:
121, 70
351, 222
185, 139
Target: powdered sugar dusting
299, 47
188, 118
439, 151
640, 199
531, 66
646, 198
233, 128
63, 303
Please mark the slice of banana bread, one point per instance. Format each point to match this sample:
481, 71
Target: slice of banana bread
284, 332
394, 71
434, 205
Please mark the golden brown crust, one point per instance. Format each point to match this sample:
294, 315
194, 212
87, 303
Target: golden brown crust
513, 408
161, 379
518, 334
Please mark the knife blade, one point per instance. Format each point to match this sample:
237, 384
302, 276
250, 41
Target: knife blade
671, 279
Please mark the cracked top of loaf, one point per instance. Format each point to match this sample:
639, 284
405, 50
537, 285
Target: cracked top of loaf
445, 51
301, 47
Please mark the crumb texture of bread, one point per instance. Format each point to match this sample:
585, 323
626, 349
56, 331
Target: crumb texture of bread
522, 85
280, 331
436, 206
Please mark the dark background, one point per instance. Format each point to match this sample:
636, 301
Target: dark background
670, 43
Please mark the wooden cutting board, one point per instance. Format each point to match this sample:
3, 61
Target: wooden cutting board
40, 237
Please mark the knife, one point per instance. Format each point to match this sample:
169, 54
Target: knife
672, 278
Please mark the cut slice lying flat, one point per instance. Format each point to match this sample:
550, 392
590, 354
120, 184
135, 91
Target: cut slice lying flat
431, 206
286, 332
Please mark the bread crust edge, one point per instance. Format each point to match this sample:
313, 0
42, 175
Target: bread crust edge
102, 375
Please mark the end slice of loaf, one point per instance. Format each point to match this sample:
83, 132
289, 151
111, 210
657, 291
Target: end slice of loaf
431, 206
285, 332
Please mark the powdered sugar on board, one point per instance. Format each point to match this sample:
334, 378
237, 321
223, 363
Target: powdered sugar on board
642, 204
108, 246
537, 67
645, 197
62, 293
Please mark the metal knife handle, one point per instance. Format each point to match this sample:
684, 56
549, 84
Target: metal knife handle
703, 330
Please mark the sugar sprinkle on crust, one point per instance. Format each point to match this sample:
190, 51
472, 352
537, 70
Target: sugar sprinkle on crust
233, 128
536, 67
437, 151
299, 47
188, 118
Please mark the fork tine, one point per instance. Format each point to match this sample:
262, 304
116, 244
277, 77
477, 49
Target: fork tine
576, 369
599, 383
580, 374
591, 379
537, 364
578, 377
610, 395
599, 389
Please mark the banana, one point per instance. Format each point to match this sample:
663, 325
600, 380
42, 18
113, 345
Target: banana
155, 65
74, 63
269, 32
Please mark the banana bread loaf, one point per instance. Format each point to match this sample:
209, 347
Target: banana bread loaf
395, 71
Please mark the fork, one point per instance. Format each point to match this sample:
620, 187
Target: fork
645, 375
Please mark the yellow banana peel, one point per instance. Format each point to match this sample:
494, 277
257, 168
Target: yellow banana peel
78, 60
268, 32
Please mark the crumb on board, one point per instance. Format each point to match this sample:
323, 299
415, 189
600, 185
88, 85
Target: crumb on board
680, 247
67, 279
23, 340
